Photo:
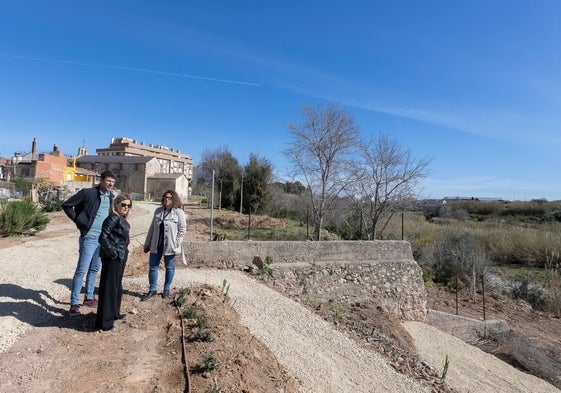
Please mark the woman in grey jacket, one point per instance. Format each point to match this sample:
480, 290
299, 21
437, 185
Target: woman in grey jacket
165, 238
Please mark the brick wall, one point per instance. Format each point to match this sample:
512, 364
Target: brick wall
51, 167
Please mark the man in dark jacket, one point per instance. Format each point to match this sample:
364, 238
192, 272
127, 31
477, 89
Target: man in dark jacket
87, 209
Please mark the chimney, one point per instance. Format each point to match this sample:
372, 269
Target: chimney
34, 150
56, 152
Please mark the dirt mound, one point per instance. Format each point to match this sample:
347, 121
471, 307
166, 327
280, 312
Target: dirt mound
222, 354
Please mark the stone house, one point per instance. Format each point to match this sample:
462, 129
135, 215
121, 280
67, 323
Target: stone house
140, 177
161, 182
143, 171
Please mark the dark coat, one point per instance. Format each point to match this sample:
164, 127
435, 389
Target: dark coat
82, 207
114, 238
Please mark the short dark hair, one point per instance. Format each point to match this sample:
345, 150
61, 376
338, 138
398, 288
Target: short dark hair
107, 173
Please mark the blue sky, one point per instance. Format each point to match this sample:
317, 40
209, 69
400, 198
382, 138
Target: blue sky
473, 85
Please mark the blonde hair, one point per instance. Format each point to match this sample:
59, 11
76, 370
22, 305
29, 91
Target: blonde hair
117, 201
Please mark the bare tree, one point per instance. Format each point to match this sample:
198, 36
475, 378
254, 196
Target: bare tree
384, 180
459, 255
320, 147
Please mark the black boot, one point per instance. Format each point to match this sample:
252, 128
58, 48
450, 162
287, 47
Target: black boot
149, 295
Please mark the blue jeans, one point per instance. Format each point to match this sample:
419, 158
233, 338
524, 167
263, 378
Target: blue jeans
89, 263
169, 261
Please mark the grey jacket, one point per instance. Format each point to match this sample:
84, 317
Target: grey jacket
175, 227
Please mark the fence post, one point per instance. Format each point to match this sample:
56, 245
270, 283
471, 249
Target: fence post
483, 292
402, 225
457, 296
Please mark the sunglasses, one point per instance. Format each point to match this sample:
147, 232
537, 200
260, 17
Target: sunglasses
126, 205
168, 197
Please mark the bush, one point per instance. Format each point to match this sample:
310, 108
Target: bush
22, 218
553, 294
54, 205
479, 208
523, 289
456, 255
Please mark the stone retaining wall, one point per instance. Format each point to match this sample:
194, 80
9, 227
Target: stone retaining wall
464, 328
348, 272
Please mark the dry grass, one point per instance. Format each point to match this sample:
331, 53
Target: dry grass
528, 256
505, 242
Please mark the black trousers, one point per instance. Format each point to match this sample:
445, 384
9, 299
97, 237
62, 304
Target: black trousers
110, 292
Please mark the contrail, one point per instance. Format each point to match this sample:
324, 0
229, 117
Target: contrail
114, 67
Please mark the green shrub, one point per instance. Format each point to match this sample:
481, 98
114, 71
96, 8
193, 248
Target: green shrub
54, 205
202, 336
190, 313
267, 269
210, 362
202, 322
427, 279
22, 218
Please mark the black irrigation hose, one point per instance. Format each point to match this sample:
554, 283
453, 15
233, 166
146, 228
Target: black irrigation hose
184, 352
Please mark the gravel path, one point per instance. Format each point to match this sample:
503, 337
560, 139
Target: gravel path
470, 369
323, 359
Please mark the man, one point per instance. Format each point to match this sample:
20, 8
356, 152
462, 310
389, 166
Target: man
87, 209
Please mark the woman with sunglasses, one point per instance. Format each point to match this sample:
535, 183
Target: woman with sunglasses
165, 239
113, 241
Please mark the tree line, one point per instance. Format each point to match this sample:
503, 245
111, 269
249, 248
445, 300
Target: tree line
337, 178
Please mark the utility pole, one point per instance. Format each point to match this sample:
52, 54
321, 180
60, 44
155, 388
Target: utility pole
212, 205
220, 197
241, 195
